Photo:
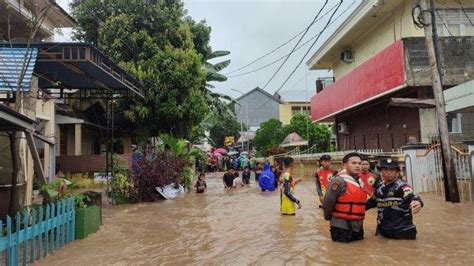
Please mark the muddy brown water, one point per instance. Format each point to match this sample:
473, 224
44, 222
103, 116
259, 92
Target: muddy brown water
245, 227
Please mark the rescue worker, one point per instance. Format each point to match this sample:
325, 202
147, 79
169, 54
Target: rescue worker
344, 202
396, 203
370, 180
287, 198
323, 176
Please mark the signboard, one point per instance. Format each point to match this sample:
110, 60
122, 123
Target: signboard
229, 140
102, 177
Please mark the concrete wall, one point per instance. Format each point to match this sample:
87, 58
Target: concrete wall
467, 126
392, 27
260, 108
285, 111
428, 124
457, 58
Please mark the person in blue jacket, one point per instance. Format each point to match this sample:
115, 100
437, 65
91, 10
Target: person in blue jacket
267, 178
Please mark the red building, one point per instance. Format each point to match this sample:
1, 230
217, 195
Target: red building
382, 94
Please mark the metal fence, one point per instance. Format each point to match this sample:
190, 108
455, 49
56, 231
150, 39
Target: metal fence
426, 170
33, 234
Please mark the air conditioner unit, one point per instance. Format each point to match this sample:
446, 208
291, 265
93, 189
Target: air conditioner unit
347, 56
343, 128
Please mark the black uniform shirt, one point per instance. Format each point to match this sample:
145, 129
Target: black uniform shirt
393, 204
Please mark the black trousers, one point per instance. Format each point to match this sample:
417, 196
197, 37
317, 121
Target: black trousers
409, 234
345, 236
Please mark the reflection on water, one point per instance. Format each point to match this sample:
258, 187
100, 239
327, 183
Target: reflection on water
245, 227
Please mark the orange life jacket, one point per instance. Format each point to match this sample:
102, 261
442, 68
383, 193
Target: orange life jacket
324, 176
369, 182
351, 204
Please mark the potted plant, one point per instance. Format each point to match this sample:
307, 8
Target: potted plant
36, 186
87, 216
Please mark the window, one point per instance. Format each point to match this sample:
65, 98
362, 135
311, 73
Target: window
454, 123
295, 110
455, 22
306, 110
300, 109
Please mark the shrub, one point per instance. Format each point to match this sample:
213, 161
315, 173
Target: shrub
155, 170
121, 185
187, 177
87, 183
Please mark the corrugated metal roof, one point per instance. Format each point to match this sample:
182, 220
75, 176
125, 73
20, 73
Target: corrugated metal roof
11, 62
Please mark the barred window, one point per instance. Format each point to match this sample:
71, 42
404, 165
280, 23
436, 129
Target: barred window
455, 22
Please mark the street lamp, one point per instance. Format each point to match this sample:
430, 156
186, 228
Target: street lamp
247, 111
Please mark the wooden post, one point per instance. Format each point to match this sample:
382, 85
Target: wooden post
430, 28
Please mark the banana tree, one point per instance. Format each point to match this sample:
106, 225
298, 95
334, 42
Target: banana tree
216, 101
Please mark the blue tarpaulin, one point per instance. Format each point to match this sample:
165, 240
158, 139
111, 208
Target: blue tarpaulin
11, 65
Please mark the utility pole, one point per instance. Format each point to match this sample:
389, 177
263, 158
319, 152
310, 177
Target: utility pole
431, 39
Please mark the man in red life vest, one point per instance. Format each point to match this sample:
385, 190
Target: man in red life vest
344, 202
323, 176
368, 178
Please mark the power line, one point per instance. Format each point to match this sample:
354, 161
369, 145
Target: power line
299, 63
280, 46
298, 82
298, 48
296, 45
307, 52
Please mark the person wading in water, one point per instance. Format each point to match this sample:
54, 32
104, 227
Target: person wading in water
323, 176
287, 198
201, 184
344, 202
396, 203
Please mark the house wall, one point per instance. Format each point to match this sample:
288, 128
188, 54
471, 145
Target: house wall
87, 141
379, 127
392, 27
285, 111
260, 108
467, 126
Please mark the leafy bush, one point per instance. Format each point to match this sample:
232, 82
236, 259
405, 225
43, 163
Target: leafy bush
87, 183
155, 170
55, 190
121, 185
81, 201
187, 177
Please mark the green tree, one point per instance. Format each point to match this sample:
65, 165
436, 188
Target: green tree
155, 42
316, 134
221, 126
269, 134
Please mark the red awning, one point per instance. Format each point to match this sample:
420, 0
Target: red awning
382, 74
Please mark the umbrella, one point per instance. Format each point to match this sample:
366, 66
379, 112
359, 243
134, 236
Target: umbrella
220, 150
233, 153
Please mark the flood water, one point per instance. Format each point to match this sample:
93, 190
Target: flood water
245, 227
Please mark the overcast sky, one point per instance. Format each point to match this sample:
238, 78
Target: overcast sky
252, 28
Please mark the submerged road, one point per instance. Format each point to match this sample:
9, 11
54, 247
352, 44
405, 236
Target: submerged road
244, 226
